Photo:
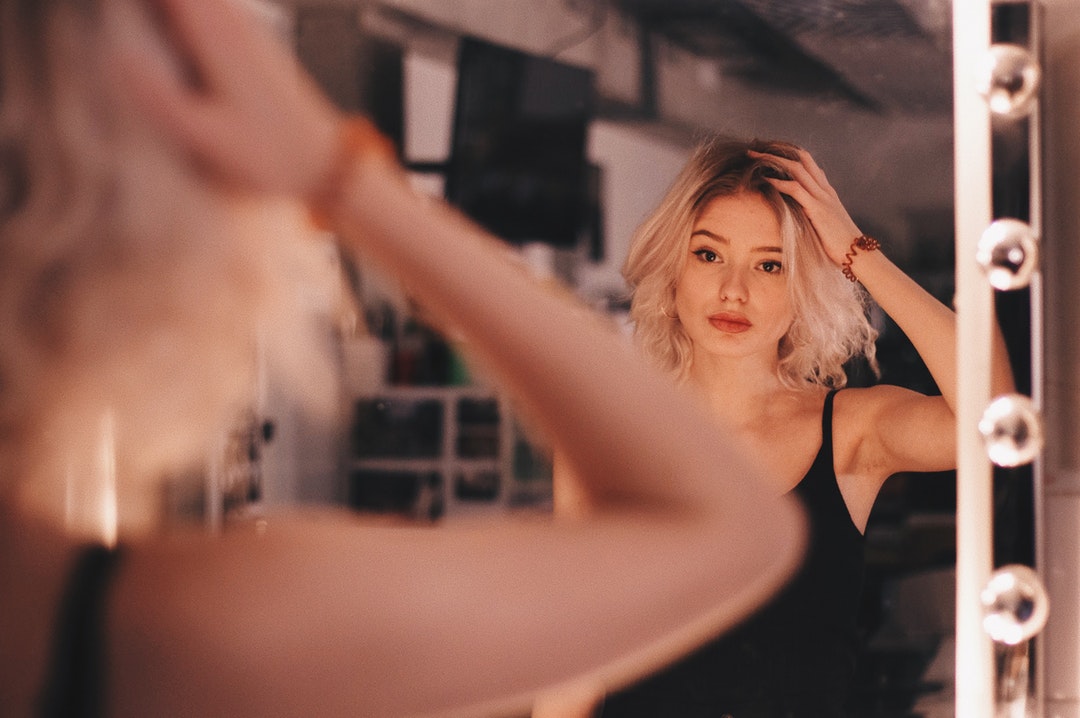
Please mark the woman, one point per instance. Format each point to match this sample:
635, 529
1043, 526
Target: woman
748, 287
159, 161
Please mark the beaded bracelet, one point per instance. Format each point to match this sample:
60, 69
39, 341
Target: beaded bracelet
866, 244
358, 139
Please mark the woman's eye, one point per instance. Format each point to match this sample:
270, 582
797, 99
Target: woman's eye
772, 266
707, 255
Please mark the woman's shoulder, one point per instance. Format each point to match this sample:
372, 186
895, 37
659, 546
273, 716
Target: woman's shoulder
870, 400
867, 419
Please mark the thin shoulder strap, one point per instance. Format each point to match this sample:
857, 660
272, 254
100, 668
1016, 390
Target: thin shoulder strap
826, 422
74, 684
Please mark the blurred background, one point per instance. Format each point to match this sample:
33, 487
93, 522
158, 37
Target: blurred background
558, 125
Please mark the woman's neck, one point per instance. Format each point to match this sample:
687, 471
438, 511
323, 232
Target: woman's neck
734, 376
737, 389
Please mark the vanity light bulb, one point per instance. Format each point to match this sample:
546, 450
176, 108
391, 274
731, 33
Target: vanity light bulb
1011, 430
1009, 80
1015, 605
1008, 253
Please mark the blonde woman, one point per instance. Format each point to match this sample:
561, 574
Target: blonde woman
751, 285
160, 162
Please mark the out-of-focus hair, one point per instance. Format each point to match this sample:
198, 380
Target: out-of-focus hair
130, 287
830, 323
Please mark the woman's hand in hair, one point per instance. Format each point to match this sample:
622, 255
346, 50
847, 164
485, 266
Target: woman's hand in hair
215, 77
811, 189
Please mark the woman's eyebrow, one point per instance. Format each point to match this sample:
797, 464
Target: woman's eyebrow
711, 235
724, 240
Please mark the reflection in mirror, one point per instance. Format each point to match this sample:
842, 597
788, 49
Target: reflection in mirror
865, 86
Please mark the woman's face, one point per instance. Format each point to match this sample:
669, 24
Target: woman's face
732, 296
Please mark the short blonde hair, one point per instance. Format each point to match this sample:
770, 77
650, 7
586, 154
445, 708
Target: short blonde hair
830, 323
129, 285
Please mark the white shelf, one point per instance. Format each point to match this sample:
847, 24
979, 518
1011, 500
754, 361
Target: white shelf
439, 473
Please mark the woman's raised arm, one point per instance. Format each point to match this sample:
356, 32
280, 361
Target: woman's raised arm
326, 616
912, 432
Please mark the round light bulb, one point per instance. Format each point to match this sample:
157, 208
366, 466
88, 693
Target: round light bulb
1008, 253
1011, 430
1009, 80
1015, 605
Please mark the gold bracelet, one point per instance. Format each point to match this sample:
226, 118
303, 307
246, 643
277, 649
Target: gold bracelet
358, 139
863, 242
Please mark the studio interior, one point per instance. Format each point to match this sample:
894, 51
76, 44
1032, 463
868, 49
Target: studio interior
558, 124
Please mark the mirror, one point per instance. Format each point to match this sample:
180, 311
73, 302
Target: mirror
865, 85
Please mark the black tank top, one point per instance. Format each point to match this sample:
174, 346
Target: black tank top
795, 657
75, 683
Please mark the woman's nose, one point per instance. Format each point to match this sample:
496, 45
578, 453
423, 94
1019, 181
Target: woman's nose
733, 286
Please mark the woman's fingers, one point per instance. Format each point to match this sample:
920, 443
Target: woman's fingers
794, 189
807, 173
234, 95
146, 66
814, 169
794, 168
207, 35
810, 188
159, 84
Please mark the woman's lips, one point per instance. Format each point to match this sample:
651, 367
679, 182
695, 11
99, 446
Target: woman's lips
730, 322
